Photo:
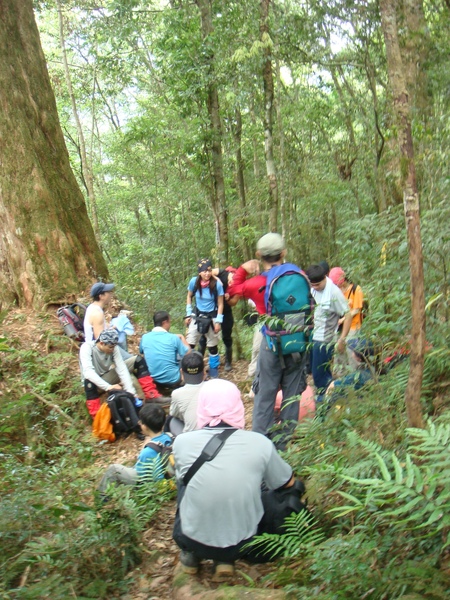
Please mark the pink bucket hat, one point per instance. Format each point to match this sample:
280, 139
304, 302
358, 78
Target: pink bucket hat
337, 275
220, 400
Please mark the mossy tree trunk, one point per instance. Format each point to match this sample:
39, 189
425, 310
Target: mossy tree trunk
398, 83
48, 251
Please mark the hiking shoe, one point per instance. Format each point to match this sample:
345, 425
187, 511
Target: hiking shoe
228, 366
223, 571
189, 562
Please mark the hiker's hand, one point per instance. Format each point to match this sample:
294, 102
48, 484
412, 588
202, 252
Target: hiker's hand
340, 346
217, 327
187, 320
116, 386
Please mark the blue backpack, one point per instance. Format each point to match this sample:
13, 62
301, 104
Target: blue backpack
288, 303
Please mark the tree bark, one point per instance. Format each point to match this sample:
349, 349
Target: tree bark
268, 114
48, 251
218, 195
398, 85
86, 169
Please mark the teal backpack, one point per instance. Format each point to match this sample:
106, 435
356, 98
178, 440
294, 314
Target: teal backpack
288, 303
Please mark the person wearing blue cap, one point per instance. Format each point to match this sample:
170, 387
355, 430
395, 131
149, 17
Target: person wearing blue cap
94, 318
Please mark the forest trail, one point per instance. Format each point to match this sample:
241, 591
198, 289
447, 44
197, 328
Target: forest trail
153, 579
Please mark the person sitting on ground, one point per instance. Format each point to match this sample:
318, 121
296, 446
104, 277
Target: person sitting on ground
221, 508
94, 319
122, 324
163, 351
206, 319
363, 351
183, 407
148, 465
103, 370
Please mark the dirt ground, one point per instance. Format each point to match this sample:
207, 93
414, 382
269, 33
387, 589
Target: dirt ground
153, 579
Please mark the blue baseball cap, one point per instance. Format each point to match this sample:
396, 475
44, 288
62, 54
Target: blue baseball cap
101, 288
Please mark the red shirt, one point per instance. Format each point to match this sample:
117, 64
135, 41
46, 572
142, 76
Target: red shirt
250, 289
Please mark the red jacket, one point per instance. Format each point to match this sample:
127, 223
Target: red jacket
250, 289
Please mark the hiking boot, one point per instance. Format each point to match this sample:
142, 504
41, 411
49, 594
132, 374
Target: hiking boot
228, 359
189, 562
223, 571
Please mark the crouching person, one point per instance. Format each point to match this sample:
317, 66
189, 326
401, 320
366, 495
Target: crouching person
103, 370
149, 465
220, 505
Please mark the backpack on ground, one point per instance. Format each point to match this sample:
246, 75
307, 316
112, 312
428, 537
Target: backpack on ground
288, 304
124, 416
279, 504
71, 318
102, 427
167, 460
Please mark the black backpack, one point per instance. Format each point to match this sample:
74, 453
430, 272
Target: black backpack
279, 504
124, 416
71, 318
166, 456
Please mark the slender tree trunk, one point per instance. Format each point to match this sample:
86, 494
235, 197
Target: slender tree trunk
218, 197
268, 114
240, 179
48, 250
398, 85
85, 166
285, 230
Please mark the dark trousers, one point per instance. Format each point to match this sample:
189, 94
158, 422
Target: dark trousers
321, 359
225, 555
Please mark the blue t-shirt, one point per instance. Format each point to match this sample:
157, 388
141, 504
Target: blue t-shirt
163, 352
206, 302
149, 460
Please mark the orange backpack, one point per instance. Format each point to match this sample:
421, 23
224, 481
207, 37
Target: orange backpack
102, 427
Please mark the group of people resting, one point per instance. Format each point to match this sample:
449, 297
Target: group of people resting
220, 504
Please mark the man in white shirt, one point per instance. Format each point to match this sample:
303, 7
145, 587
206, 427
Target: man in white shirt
331, 305
94, 319
183, 407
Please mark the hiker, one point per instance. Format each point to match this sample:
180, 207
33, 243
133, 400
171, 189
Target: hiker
330, 306
355, 298
94, 318
207, 316
249, 284
225, 276
281, 365
122, 324
183, 406
103, 370
220, 509
163, 351
149, 464
363, 351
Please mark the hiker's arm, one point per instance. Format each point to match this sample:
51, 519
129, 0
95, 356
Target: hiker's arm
345, 329
98, 323
219, 318
123, 372
233, 300
187, 319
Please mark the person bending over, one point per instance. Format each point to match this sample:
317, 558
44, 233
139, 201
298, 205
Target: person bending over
183, 407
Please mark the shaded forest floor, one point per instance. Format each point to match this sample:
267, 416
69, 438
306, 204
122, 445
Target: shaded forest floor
153, 578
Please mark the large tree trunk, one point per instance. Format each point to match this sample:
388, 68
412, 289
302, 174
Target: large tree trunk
219, 198
48, 251
398, 84
268, 114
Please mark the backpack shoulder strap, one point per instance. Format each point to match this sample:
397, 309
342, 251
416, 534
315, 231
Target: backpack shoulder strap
210, 451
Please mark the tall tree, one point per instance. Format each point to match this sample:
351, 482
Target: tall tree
397, 79
269, 95
48, 250
218, 190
